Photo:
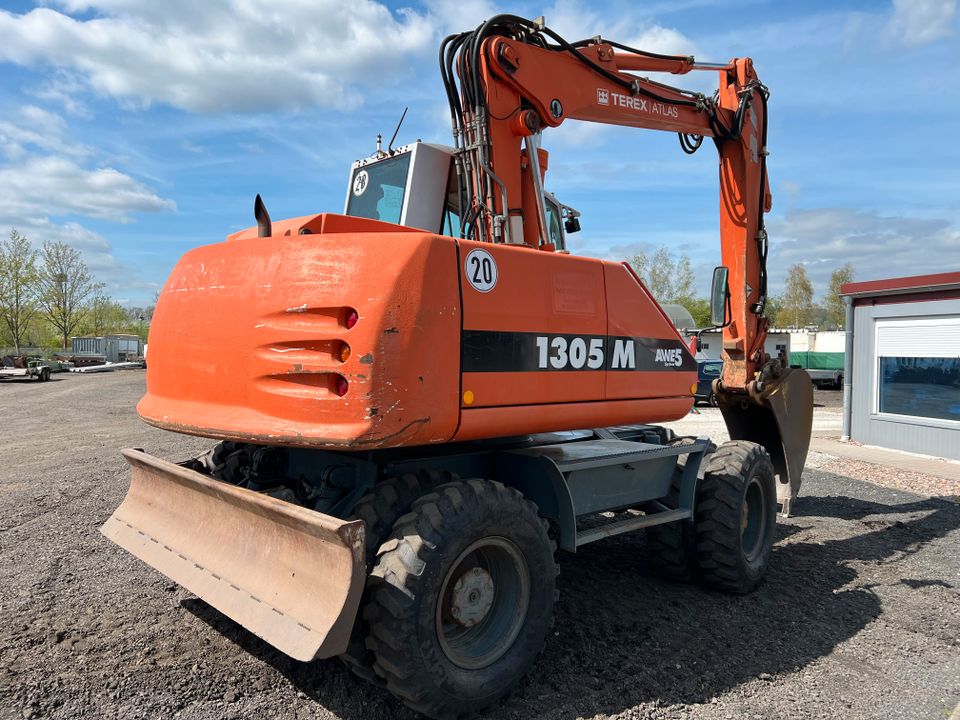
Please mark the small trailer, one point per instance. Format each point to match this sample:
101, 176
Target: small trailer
19, 367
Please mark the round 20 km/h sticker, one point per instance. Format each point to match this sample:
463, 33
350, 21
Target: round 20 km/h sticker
481, 270
360, 183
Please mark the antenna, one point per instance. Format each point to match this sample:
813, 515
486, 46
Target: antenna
390, 144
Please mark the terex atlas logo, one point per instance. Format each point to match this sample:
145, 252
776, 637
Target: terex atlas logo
669, 356
603, 96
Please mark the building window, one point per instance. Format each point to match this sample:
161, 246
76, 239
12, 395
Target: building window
920, 386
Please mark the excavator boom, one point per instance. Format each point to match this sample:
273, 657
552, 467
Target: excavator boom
514, 83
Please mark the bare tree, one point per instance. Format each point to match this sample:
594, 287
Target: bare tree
832, 302
797, 302
19, 285
66, 284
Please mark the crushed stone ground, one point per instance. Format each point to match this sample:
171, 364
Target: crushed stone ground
859, 617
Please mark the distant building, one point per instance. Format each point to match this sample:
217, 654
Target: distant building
711, 344
902, 378
107, 348
817, 340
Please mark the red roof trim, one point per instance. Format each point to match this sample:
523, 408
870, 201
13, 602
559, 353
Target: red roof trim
916, 283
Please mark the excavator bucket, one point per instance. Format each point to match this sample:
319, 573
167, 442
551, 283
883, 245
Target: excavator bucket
779, 417
288, 574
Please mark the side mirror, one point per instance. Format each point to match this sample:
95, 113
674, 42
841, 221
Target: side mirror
719, 292
572, 224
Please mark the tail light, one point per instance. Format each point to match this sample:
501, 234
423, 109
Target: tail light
350, 318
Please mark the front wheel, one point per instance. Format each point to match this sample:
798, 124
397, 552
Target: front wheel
463, 597
735, 517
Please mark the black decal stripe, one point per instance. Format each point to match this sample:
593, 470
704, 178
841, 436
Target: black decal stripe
499, 351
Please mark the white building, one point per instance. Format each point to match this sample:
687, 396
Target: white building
902, 375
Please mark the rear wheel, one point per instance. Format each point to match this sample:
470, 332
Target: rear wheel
379, 510
672, 546
462, 597
712, 400
735, 517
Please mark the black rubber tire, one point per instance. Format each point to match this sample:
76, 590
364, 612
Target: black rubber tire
409, 577
672, 546
739, 473
45, 374
379, 510
712, 400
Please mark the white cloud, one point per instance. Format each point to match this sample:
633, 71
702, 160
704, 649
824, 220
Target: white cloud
454, 17
51, 186
45, 178
96, 251
877, 246
219, 55
32, 128
918, 22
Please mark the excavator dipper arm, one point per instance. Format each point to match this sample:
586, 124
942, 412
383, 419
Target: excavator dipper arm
517, 77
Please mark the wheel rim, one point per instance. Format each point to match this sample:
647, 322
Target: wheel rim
753, 519
483, 603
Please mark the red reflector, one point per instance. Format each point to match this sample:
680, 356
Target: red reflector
340, 385
351, 319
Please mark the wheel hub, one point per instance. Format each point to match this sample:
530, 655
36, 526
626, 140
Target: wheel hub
472, 597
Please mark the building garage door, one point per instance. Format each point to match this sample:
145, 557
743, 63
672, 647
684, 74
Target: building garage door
918, 367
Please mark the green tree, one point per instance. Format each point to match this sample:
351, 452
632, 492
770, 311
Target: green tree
641, 266
798, 297
19, 286
700, 310
104, 314
667, 279
832, 302
66, 284
774, 310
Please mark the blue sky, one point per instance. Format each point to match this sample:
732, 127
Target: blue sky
136, 129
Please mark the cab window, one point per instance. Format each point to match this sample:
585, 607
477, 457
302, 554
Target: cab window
554, 231
377, 190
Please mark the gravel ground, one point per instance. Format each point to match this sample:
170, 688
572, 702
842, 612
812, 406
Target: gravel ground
859, 617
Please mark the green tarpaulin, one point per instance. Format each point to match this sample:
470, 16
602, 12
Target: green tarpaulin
817, 360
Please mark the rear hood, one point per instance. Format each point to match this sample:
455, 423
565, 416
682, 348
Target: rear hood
249, 336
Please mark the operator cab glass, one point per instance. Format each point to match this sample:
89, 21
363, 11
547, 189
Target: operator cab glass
377, 190
554, 228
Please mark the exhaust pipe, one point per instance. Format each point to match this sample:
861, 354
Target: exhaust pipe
264, 226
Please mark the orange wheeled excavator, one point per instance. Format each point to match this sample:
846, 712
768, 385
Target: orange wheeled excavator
415, 402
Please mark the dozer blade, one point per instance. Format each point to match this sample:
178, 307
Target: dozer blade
779, 417
290, 575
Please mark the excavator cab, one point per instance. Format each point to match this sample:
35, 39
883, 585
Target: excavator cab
416, 186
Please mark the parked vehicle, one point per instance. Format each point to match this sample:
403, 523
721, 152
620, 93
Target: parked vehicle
24, 367
824, 368
707, 372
